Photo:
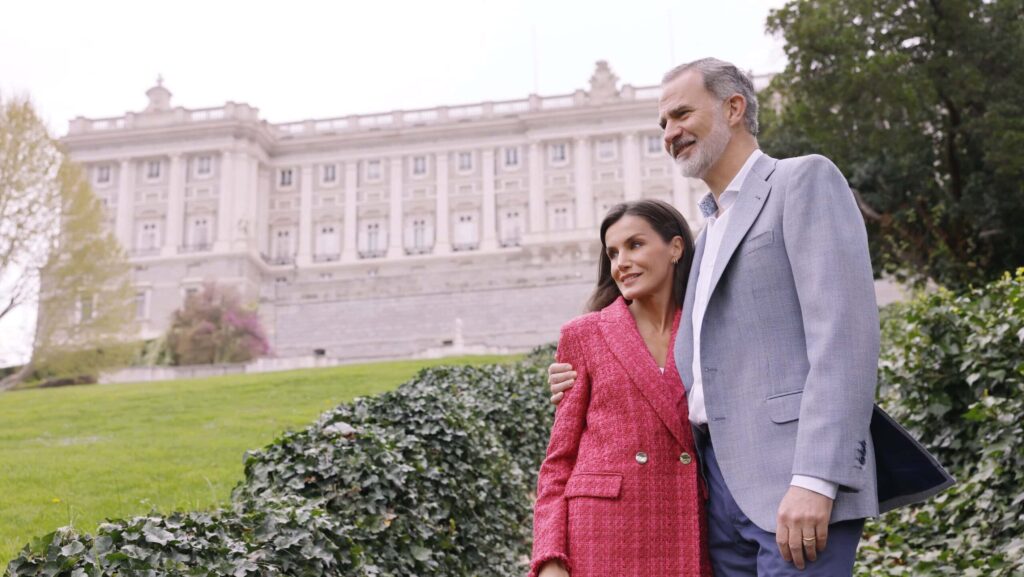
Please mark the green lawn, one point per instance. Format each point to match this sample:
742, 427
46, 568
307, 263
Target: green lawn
78, 455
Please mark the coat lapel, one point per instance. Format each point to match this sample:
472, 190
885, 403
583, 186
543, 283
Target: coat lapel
623, 338
683, 349
749, 203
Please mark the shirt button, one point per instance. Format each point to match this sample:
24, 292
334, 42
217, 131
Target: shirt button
685, 459
641, 457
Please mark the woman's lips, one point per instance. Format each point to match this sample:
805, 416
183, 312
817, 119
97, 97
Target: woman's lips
630, 278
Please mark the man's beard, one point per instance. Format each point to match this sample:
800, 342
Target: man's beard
708, 151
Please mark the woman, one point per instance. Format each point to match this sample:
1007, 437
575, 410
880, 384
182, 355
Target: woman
620, 492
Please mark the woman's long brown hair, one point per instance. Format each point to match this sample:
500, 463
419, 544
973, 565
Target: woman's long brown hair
668, 223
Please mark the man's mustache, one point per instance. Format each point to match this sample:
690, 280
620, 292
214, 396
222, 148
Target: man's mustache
678, 144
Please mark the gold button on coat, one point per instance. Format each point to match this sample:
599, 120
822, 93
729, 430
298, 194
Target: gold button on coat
685, 459
641, 457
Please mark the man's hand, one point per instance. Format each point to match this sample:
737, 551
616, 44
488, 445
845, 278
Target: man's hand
553, 568
560, 377
803, 515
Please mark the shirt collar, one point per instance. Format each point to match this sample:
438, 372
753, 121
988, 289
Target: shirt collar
711, 208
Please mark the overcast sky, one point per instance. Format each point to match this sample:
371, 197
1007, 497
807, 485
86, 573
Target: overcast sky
316, 59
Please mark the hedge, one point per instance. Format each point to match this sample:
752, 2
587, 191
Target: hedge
436, 477
952, 371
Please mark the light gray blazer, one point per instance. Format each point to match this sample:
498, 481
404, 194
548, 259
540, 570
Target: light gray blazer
790, 342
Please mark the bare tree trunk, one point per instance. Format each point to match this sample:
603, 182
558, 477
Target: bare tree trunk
17, 378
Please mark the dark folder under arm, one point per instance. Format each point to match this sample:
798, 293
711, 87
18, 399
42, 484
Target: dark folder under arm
907, 472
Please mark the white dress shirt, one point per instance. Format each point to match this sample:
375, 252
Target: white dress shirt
716, 225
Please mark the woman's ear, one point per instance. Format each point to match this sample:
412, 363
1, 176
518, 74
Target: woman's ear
677, 249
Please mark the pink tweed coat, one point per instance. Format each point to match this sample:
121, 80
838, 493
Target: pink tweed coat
620, 492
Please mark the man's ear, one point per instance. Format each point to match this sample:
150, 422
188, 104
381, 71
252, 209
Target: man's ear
735, 109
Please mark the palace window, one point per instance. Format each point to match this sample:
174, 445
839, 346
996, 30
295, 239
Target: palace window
203, 165
654, 145
103, 174
329, 174
511, 228
153, 170
286, 177
148, 236
200, 233
327, 241
373, 237
606, 150
419, 165
465, 161
558, 153
560, 218
283, 245
142, 305
511, 157
373, 170
419, 234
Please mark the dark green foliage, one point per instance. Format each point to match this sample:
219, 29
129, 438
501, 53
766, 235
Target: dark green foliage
953, 372
919, 103
434, 478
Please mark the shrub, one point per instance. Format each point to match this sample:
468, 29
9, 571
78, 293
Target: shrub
214, 327
433, 478
952, 371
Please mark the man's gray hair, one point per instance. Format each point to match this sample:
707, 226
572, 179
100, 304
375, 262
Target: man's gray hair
723, 80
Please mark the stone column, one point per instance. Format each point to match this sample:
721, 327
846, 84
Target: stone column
490, 233
348, 247
584, 185
305, 254
242, 203
224, 196
395, 248
631, 167
125, 222
442, 230
537, 205
264, 184
685, 197
175, 207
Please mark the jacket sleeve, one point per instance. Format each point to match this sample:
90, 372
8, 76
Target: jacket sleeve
827, 245
550, 515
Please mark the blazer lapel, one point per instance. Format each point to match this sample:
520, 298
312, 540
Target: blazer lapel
683, 349
749, 203
623, 338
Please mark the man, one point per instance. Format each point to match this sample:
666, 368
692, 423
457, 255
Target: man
778, 346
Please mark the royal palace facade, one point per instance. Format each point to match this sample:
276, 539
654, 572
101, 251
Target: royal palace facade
387, 235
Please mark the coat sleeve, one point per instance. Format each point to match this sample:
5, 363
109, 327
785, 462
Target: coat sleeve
827, 245
550, 515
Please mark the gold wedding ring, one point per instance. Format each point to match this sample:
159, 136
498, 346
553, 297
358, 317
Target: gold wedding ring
809, 539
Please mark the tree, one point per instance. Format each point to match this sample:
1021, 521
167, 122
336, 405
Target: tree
214, 327
86, 313
918, 102
30, 199
56, 252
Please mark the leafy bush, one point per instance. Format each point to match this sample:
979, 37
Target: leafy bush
952, 371
214, 327
433, 478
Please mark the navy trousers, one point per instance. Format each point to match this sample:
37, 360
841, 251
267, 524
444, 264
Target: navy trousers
741, 549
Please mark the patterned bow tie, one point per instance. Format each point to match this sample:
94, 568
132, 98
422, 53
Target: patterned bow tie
707, 205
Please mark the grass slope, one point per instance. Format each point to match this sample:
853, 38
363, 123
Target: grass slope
79, 455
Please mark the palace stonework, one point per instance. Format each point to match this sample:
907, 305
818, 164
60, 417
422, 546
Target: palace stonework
386, 235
